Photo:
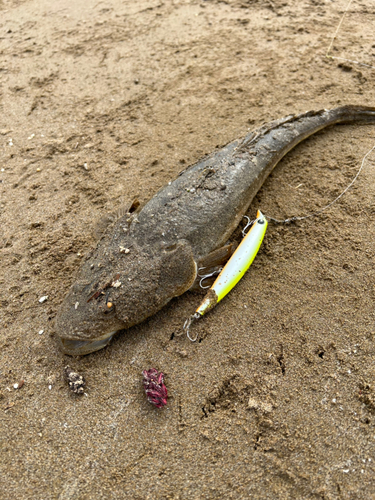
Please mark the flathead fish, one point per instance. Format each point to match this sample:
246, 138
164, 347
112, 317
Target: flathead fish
147, 257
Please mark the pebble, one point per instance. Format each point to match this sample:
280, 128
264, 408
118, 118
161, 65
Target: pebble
17, 385
41, 331
43, 299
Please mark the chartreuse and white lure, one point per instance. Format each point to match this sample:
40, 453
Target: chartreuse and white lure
233, 271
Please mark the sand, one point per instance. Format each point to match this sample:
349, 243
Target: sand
102, 102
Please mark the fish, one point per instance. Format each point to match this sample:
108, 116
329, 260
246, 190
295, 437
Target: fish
150, 255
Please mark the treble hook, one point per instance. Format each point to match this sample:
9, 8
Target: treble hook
214, 273
187, 325
249, 223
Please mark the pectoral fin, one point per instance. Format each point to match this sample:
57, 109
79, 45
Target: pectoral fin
179, 269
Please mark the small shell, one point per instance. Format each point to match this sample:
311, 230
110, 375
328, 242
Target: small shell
75, 380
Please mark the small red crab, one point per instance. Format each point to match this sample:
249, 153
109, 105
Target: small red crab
156, 392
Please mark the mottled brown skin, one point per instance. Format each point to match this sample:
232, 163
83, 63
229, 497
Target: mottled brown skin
180, 225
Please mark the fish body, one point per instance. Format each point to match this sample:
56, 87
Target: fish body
145, 259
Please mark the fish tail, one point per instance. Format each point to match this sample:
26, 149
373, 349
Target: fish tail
355, 114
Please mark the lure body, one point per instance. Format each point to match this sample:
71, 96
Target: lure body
185, 221
237, 265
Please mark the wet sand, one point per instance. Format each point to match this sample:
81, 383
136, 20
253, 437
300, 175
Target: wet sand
102, 102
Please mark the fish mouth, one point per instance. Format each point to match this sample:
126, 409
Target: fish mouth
81, 347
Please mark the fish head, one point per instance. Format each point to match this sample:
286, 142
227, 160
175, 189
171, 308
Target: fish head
117, 288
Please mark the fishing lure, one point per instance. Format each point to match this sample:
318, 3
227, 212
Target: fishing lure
233, 271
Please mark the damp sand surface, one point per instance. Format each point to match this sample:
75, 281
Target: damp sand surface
102, 102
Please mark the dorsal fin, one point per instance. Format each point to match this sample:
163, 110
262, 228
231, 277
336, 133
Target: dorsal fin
110, 218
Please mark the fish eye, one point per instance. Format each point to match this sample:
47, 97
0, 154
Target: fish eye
110, 308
